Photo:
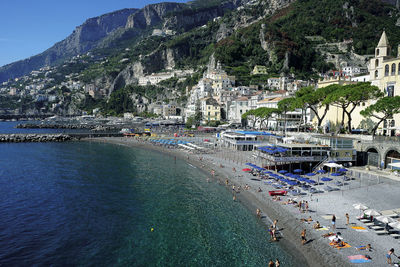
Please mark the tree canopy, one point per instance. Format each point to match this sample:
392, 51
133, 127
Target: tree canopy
382, 110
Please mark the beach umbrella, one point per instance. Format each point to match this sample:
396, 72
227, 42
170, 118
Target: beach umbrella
311, 181
321, 171
359, 206
296, 176
371, 212
283, 171
298, 171
246, 169
342, 170
289, 174
268, 172
326, 179
337, 174
385, 219
395, 224
311, 174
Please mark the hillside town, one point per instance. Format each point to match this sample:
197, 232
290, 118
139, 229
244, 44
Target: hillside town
216, 99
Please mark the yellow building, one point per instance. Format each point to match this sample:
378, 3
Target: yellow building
385, 74
334, 114
259, 70
210, 109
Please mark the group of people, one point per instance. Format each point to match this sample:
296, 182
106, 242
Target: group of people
272, 264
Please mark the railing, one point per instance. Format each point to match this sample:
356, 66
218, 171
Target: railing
320, 163
387, 138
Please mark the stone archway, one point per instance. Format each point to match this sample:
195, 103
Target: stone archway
392, 155
372, 156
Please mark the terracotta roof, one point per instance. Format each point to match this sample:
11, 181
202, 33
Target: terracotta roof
243, 98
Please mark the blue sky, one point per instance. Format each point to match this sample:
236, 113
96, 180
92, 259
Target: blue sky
28, 27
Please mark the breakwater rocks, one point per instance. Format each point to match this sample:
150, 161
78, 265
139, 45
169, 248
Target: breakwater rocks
25, 138
92, 127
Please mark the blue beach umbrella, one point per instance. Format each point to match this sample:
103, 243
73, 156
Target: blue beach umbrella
311, 181
283, 171
321, 171
311, 174
296, 176
337, 174
268, 172
342, 170
326, 179
298, 171
289, 174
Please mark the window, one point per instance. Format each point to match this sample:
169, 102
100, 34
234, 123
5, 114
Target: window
392, 123
376, 74
386, 70
393, 72
376, 62
209, 113
377, 52
390, 90
398, 69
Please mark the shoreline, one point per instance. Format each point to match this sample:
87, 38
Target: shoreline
315, 253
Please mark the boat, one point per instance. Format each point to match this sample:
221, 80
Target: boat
277, 193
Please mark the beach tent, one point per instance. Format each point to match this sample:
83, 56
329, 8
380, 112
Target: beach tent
395, 224
359, 206
371, 212
385, 219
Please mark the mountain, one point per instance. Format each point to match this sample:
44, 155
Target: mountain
110, 29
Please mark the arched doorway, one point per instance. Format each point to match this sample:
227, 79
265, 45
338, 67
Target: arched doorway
373, 157
392, 156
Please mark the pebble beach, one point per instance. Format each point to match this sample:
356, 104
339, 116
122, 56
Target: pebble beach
380, 196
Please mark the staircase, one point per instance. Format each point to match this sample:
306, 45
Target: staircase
320, 164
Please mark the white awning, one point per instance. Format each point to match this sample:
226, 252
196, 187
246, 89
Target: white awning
333, 165
396, 164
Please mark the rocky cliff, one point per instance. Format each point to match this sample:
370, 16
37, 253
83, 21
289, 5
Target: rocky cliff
83, 38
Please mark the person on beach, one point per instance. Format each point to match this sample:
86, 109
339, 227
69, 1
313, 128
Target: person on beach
226, 181
308, 220
347, 219
233, 169
306, 206
333, 222
259, 190
234, 197
367, 247
274, 224
272, 232
258, 213
277, 263
303, 237
271, 263
389, 256
317, 225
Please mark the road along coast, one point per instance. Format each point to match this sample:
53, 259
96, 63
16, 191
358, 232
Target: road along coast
317, 251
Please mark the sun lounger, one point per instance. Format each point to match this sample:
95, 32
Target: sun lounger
381, 232
395, 235
369, 224
376, 227
364, 220
358, 228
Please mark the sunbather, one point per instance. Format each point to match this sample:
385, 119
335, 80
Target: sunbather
367, 247
317, 225
308, 220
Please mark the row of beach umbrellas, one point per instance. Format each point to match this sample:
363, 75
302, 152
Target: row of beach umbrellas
371, 212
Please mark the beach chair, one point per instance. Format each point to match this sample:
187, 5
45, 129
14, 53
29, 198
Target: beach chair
376, 227
395, 235
381, 232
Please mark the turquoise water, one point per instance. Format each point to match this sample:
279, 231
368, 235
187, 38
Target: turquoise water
94, 204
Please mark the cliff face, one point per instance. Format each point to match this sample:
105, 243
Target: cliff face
82, 39
152, 15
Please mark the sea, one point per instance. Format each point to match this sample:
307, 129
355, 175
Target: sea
97, 204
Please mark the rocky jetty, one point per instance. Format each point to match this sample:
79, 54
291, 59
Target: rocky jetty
92, 127
25, 138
